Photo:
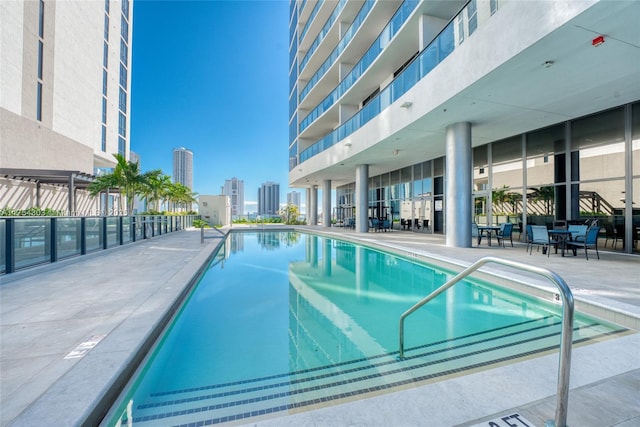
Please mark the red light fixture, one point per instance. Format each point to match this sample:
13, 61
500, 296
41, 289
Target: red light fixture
597, 41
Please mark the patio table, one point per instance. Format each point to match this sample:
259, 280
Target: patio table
561, 237
489, 229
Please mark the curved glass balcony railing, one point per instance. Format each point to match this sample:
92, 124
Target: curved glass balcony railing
323, 33
429, 58
346, 38
379, 45
314, 12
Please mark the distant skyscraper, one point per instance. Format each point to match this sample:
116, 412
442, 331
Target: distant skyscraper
234, 188
294, 199
183, 166
269, 199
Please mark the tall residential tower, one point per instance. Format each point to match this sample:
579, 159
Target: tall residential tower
234, 188
269, 199
64, 109
183, 167
444, 113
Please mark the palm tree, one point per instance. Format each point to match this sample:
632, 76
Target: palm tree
125, 177
156, 188
499, 196
179, 194
544, 195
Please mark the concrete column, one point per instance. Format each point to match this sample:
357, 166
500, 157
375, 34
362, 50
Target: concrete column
313, 206
326, 203
362, 198
458, 196
307, 208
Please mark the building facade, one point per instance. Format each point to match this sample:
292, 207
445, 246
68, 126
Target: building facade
234, 189
269, 199
293, 198
216, 210
64, 109
446, 113
183, 167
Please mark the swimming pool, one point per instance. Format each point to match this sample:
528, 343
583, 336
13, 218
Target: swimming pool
285, 321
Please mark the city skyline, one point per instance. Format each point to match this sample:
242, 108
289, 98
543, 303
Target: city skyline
233, 117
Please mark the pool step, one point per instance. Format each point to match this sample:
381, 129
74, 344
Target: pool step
220, 403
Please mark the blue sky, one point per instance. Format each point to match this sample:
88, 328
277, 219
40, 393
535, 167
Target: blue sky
212, 76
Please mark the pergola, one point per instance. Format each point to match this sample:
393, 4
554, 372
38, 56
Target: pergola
71, 179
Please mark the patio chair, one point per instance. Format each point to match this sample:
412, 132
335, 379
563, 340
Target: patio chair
578, 232
528, 235
475, 233
591, 241
610, 234
540, 237
505, 233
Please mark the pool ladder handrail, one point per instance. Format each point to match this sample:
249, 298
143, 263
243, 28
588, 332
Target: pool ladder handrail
564, 365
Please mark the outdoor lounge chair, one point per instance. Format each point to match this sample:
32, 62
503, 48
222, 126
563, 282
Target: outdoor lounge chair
540, 237
591, 241
505, 233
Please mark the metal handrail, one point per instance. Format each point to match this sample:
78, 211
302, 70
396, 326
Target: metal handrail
564, 364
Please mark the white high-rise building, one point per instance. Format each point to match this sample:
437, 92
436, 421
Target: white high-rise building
437, 114
234, 189
183, 166
64, 110
293, 198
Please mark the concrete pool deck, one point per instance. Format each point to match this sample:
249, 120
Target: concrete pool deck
52, 316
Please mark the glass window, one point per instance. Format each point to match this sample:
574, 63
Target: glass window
104, 82
599, 139
106, 6
493, 5
122, 146
123, 76
124, 29
460, 29
104, 110
40, 55
125, 8
123, 101
635, 146
438, 166
545, 150
123, 52
542, 145
472, 14
104, 138
122, 125
39, 103
105, 53
41, 20
106, 27
506, 156
481, 168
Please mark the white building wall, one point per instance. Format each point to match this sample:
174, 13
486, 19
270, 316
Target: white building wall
77, 73
216, 210
11, 41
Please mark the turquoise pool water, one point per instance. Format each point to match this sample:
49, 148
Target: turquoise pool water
282, 321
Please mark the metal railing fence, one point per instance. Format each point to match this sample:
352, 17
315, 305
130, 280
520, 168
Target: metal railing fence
29, 241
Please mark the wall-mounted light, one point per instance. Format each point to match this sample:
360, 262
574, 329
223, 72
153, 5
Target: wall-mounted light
406, 104
347, 144
395, 152
547, 64
597, 41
